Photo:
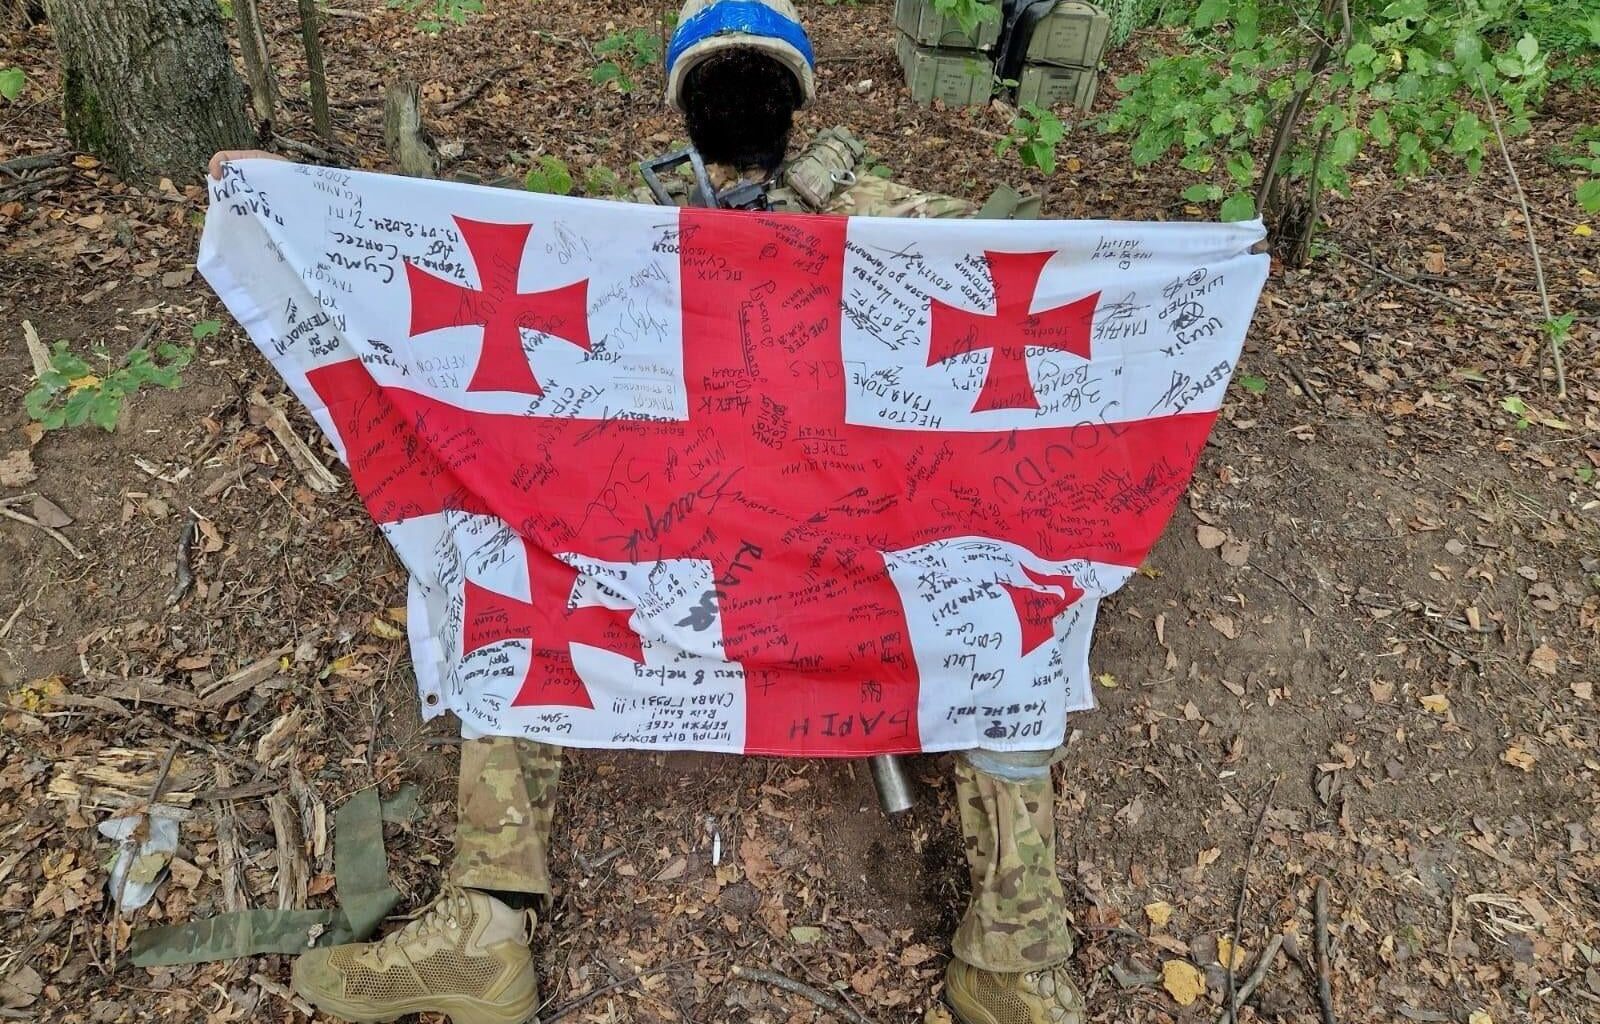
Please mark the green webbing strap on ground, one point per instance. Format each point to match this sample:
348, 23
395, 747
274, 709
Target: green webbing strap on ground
361, 870
1006, 203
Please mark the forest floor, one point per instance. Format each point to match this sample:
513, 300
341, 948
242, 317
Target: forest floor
1378, 609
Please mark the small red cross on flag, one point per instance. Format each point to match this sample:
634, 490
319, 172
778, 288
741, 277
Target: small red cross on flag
735, 481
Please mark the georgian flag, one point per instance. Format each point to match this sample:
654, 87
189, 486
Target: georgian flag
778, 484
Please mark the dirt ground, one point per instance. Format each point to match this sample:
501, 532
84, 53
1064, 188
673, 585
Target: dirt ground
1377, 615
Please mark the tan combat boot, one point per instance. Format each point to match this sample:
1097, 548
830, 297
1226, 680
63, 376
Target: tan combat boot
1045, 996
466, 955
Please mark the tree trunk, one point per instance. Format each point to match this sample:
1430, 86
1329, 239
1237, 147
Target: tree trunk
257, 61
405, 135
148, 85
310, 27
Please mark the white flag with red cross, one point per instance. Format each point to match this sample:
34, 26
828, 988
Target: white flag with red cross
734, 481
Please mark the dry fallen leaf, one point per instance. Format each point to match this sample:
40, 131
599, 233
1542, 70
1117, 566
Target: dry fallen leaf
1159, 913
49, 513
16, 468
1236, 553
1544, 659
1210, 537
1517, 757
1227, 951
1183, 981
1225, 625
1438, 703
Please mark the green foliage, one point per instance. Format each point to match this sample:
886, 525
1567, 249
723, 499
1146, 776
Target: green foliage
1588, 161
1251, 383
968, 14
550, 176
1035, 133
1406, 86
69, 393
1570, 31
205, 329
12, 81
626, 53
1128, 15
600, 181
432, 15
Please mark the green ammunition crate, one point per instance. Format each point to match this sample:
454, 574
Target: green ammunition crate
962, 78
918, 19
1046, 85
1072, 35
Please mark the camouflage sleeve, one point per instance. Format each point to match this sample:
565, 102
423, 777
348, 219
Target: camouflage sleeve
872, 196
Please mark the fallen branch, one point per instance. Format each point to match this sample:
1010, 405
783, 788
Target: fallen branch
185, 575
1280, 581
817, 996
316, 153
1238, 904
32, 163
1257, 976
573, 1006
266, 984
1300, 379
1448, 300
1324, 980
1533, 242
54, 534
472, 93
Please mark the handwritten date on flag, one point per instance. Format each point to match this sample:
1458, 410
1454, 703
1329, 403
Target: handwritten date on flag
747, 482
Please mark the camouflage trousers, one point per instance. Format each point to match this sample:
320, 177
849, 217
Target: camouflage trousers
1016, 920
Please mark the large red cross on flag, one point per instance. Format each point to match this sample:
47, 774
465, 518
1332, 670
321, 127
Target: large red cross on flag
733, 481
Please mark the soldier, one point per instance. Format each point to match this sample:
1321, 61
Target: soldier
737, 70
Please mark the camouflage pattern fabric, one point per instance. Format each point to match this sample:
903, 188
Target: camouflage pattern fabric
1017, 920
872, 196
504, 812
867, 196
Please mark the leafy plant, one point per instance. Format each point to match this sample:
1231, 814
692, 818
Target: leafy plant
1035, 133
12, 82
550, 176
600, 180
968, 14
1251, 383
626, 53
433, 14
1401, 78
69, 393
1588, 193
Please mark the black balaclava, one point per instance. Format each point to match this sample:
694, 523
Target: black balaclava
739, 107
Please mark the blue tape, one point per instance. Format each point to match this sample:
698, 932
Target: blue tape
748, 16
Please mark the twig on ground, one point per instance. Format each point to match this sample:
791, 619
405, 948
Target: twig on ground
1257, 976
185, 575
32, 163
1280, 581
199, 744
817, 996
305, 149
266, 984
1448, 300
1238, 904
53, 533
1324, 972
472, 93
1300, 379
572, 1006
1533, 242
